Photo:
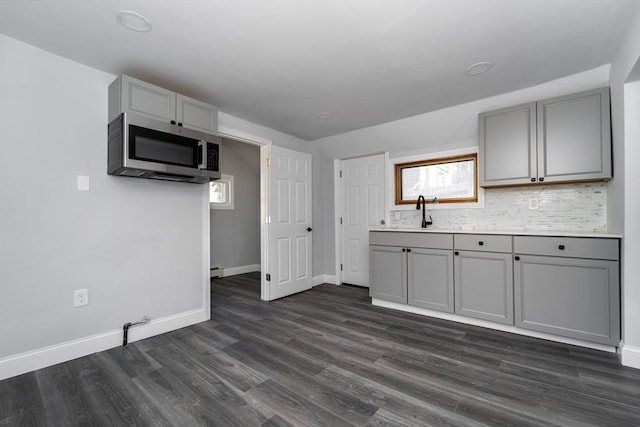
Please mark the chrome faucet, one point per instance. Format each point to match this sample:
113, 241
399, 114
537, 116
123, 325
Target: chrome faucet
425, 223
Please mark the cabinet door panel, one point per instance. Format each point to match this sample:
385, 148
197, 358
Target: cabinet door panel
430, 278
197, 115
148, 100
507, 145
576, 298
388, 273
574, 141
484, 286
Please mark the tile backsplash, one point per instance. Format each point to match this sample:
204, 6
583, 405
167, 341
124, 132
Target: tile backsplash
567, 207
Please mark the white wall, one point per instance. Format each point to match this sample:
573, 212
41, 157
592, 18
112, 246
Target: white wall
240, 126
443, 130
140, 247
624, 204
136, 245
450, 128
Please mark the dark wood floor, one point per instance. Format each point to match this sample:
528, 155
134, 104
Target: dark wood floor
326, 357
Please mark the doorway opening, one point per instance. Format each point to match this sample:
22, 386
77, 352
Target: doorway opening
242, 142
235, 211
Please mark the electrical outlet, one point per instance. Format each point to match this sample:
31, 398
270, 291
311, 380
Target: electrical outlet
533, 204
80, 297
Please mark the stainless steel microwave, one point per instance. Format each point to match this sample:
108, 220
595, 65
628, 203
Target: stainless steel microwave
141, 147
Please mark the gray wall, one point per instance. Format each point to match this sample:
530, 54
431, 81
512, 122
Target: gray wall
623, 201
235, 234
136, 245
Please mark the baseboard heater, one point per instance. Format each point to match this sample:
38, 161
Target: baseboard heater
216, 271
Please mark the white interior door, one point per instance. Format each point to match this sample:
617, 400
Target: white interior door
290, 223
363, 207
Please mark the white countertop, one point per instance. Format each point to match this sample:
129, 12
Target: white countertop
601, 234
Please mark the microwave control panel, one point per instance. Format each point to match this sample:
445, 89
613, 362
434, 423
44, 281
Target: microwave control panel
213, 156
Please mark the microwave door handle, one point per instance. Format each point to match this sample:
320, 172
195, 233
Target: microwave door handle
200, 155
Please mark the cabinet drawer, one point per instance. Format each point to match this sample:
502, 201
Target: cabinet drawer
482, 242
573, 247
416, 240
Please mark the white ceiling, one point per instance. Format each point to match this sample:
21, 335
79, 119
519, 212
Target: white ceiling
279, 63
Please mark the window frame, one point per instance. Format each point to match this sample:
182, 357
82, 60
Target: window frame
398, 167
227, 180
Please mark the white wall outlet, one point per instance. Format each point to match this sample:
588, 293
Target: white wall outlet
533, 203
83, 183
80, 297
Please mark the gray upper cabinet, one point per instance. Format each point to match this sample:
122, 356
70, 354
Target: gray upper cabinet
574, 137
507, 146
560, 291
196, 114
127, 94
484, 277
564, 139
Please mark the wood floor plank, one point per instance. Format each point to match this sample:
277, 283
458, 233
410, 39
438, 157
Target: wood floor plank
327, 357
293, 407
21, 402
408, 410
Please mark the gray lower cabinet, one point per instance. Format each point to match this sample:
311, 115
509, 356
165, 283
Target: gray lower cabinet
565, 286
568, 295
484, 285
388, 266
484, 277
413, 268
430, 278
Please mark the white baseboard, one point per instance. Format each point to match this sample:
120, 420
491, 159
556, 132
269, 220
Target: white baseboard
490, 325
232, 271
323, 278
630, 356
41, 358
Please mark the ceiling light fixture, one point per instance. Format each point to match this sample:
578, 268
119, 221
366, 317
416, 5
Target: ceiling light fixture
478, 68
325, 116
133, 21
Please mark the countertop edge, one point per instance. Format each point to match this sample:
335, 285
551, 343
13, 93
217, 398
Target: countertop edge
603, 235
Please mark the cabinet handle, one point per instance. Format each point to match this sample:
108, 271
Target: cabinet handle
541, 179
481, 243
179, 124
404, 250
517, 258
456, 253
408, 250
173, 122
533, 180
561, 247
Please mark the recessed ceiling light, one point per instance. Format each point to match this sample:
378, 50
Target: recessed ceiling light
478, 68
325, 116
133, 21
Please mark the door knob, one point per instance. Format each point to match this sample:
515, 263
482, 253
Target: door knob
309, 229
382, 222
